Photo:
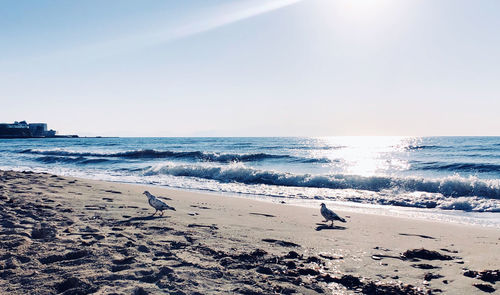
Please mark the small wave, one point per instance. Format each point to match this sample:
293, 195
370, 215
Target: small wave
425, 147
241, 144
466, 167
194, 155
317, 160
450, 187
326, 148
302, 147
485, 156
483, 149
94, 161
78, 160
52, 159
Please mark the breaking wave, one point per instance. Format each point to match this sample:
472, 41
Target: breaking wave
189, 155
443, 173
453, 186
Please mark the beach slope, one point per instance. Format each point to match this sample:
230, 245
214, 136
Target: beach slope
62, 235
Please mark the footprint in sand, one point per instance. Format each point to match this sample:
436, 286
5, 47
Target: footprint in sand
281, 243
95, 207
212, 227
143, 249
43, 231
126, 260
72, 255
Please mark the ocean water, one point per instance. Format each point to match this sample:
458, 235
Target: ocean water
454, 176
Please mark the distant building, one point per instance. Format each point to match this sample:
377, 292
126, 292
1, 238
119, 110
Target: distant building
21, 124
15, 130
24, 130
51, 133
38, 129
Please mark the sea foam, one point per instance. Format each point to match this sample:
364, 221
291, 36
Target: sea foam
452, 186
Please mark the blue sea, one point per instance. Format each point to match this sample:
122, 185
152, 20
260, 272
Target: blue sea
454, 176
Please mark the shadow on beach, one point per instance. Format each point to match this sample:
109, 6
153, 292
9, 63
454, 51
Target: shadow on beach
143, 218
322, 226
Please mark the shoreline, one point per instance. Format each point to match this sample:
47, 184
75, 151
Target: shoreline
455, 216
219, 244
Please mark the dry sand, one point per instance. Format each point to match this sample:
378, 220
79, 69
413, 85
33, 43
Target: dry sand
77, 236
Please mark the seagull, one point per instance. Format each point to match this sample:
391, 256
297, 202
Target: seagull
157, 204
329, 214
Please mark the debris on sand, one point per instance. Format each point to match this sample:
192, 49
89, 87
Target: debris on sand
425, 254
430, 276
491, 276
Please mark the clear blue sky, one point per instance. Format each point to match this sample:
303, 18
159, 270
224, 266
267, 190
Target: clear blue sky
252, 67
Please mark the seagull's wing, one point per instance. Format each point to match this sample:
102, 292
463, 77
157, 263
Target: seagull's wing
151, 202
324, 212
330, 214
160, 205
333, 216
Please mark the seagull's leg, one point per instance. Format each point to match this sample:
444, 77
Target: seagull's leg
161, 213
155, 212
331, 224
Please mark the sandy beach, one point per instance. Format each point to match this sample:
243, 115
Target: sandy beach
63, 235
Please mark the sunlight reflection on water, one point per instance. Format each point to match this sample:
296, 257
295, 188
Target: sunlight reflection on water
365, 155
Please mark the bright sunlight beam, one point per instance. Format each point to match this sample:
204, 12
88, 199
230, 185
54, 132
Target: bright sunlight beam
219, 17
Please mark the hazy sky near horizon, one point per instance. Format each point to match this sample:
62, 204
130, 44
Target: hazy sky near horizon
252, 67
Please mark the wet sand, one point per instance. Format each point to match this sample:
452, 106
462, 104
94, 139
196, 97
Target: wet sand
62, 235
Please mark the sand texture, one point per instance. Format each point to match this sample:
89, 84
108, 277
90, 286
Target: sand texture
61, 235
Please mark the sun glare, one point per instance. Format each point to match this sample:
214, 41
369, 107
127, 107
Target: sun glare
367, 155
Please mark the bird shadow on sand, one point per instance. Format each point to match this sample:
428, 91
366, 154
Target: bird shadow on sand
322, 226
143, 218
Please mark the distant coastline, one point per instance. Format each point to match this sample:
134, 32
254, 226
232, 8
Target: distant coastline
22, 129
60, 137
